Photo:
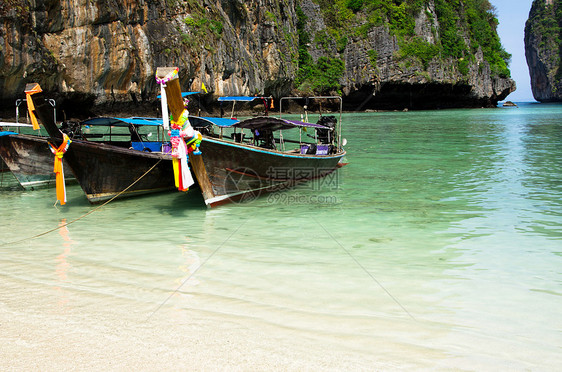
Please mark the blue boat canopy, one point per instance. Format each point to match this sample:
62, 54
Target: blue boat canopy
238, 99
183, 94
196, 121
6, 133
203, 121
109, 121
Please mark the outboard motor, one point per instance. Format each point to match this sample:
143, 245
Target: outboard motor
326, 135
72, 129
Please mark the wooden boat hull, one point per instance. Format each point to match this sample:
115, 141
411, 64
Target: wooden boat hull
30, 160
243, 172
236, 172
105, 171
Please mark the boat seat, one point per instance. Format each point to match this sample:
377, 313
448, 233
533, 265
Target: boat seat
322, 149
316, 149
264, 138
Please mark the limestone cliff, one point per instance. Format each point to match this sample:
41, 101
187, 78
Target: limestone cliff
99, 52
543, 49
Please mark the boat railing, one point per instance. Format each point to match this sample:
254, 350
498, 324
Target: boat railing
338, 98
246, 99
13, 127
19, 101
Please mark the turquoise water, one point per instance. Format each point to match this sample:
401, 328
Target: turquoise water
438, 247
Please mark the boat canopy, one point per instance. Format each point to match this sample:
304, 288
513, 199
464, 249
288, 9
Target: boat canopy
196, 121
259, 122
238, 99
183, 94
272, 123
109, 121
203, 121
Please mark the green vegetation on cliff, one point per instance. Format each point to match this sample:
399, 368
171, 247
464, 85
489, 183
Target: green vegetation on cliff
459, 30
316, 77
204, 27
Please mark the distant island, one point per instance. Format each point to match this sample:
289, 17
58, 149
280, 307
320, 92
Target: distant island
384, 54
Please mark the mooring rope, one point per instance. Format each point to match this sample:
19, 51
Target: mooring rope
86, 214
364, 268
196, 270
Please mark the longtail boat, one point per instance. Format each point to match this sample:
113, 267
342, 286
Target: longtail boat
236, 167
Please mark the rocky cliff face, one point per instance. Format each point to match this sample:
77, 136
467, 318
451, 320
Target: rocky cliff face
390, 80
100, 52
543, 49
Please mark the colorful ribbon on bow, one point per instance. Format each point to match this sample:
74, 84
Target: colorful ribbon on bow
185, 140
180, 129
30, 106
193, 143
58, 168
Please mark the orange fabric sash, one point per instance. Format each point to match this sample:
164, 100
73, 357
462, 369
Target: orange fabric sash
58, 168
30, 106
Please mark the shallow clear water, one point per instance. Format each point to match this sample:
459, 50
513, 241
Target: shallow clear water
440, 248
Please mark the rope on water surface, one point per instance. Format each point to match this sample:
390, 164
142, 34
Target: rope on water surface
364, 269
86, 214
196, 270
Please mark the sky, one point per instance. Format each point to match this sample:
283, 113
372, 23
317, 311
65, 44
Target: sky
512, 15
